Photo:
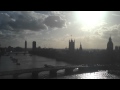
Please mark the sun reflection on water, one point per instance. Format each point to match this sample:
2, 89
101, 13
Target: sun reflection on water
93, 75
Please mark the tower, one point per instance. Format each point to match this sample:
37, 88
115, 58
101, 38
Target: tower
25, 46
71, 45
80, 47
110, 45
34, 45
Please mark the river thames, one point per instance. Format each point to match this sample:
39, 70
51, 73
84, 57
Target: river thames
28, 62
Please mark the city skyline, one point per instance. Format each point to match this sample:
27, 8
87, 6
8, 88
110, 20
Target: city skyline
53, 29
71, 46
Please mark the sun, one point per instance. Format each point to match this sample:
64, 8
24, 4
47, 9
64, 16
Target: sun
89, 18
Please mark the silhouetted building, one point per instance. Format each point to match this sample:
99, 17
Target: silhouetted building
3, 50
71, 45
80, 47
39, 47
18, 49
119, 48
110, 45
34, 45
116, 48
25, 46
10, 49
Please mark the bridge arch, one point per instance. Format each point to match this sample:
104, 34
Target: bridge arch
54, 70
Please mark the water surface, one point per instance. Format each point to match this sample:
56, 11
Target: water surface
28, 62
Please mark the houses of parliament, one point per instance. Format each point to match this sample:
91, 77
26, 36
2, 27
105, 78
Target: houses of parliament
110, 46
110, 55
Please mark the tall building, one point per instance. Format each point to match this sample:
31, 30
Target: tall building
34, 45
116, 48
80, 47
25, 46
119, 48
71, 45
110, 45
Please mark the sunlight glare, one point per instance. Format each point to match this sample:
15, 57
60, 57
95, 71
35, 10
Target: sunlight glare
89, 18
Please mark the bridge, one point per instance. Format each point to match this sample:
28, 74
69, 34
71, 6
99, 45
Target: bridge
53, 70
16, 53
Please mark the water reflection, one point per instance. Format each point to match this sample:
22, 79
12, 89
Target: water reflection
94, 75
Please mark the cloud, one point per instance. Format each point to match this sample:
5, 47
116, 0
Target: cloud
29, 20
22, 20
114, 31
55, 21
102, 34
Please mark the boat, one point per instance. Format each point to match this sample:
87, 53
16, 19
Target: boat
11, 57
17, 63
14, 60
48, 66
6, 54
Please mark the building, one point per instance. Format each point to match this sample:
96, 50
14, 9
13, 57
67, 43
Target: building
116, 48
25, 46
10, 49
34, 45
119, 48
110, 45
71, 45
80, 47
18, 49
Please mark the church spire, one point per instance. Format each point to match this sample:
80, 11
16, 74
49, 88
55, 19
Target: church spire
110, 38
80, 46
110, 45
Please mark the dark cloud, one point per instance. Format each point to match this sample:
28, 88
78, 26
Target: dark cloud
28, 20
55, 21
24, 24
22, 21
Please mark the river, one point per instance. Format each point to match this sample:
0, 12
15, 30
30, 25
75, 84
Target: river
27, 62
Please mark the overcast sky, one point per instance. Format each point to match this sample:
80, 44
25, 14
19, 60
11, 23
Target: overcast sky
53, 29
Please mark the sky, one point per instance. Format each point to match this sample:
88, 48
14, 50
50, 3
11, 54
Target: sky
54, 29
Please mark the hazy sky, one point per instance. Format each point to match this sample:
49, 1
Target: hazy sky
53, 29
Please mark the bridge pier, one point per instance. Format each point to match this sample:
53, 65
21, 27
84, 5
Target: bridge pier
15, 76
35, 75
68, 71
53, 73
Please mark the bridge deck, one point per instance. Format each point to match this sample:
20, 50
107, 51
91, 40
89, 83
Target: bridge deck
56, 68
18, 53
36, 70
